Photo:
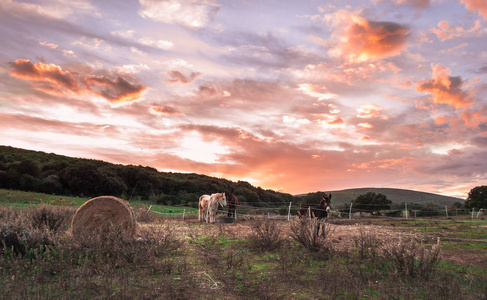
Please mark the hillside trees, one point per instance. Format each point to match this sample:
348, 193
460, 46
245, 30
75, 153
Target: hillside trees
371, 202
477, 198
56, 174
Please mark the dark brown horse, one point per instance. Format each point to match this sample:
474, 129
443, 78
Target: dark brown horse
232, 203
320, 212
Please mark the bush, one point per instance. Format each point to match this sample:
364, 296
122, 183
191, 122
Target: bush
27, 231
49, 217
303, 230
411, 258
265, 235
367, 244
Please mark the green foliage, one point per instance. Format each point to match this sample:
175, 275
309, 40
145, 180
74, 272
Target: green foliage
477, 198
371, 202
55, 174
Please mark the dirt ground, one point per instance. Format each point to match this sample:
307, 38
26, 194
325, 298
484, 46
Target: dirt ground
344, 235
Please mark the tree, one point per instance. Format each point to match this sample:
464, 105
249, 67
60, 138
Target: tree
477, 198
372, 202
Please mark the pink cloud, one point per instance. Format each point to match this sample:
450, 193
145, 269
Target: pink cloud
164, 110
116, 91
179, 78
317, 91
365, 40
390, 163
445, 88
193, 14
51, 79
476, 6
371, 111
445, 31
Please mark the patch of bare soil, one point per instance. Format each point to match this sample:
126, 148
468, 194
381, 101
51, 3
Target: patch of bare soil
343, 234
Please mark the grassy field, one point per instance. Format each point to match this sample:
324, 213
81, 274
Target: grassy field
20, 199
252, 258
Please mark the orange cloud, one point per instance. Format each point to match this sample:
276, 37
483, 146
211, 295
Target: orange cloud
117, 91
179, 78
389, 163
478, 6
445, 88
474, 118
164, 110
370, 111
445, 31
51, 79
52, 75
366, 40
317, 91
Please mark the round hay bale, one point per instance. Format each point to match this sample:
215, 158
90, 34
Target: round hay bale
103, 217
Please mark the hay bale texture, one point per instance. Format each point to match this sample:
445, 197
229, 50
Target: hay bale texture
103, 217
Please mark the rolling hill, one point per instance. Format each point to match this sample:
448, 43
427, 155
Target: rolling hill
50, 173
395, 195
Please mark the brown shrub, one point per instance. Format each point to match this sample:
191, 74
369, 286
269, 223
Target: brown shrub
265, 235
52, 218
411, 258
303, 230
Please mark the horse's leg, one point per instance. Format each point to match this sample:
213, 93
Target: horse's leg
199, 213
213, 212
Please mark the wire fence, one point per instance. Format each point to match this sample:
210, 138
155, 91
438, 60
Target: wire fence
285, 212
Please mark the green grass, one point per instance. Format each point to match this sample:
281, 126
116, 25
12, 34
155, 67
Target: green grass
20, 199
460, 269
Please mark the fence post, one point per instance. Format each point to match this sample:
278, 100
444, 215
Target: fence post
184, 211
350, 213
446, 209
406, 209
289, 211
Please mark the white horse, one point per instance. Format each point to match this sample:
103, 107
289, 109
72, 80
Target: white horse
208, 205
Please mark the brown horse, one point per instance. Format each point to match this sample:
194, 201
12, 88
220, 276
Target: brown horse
320, 212
232, 202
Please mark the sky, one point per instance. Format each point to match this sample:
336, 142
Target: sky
294, 96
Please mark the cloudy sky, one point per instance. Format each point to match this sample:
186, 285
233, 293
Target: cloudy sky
297, 96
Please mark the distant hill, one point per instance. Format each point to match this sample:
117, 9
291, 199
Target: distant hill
395, 195
37, 171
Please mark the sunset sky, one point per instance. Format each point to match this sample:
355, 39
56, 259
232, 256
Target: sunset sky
296, 96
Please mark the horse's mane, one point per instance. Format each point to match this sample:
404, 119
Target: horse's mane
218, 197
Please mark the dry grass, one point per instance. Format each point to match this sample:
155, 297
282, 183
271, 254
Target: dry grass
172, 259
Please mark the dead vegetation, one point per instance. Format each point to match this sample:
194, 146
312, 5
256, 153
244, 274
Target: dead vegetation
257, 258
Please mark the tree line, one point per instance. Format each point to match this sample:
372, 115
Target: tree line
49, 173
374, 203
